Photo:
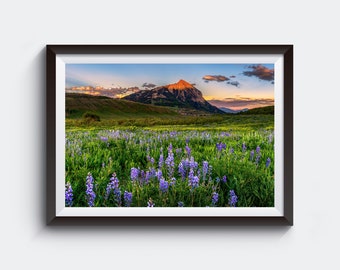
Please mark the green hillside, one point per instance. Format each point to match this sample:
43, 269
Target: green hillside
108, 108
262, 110
98, 112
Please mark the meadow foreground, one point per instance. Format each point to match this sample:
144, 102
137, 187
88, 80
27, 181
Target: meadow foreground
216, 165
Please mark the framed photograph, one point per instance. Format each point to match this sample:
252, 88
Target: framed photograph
169, 134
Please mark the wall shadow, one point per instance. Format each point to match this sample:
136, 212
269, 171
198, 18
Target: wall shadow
136, 225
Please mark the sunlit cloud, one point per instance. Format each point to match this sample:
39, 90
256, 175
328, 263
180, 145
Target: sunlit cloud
261, 72
242, 102
221, 78
216, 78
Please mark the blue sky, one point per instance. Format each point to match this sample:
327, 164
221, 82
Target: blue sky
223, 83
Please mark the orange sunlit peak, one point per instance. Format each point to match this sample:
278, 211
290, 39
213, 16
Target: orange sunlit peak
180, 85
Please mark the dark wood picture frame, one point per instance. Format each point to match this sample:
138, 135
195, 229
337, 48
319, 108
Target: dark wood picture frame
52, 51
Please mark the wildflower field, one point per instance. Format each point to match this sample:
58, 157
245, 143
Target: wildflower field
225, 164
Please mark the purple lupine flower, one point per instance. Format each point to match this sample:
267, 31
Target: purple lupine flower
117, 196
114, 182
113, 186
244, 147
103, 139
180, 204
232, 198
191, 175
68, 194
257, 159
127, 198
224, 179
231, 150
170, 148
187, 140
152, 172
218, 179
152, 160
181, 170
134, 173
214, 199
225, 134
90, 195
173, 133
170, 164
258, 155
192, 163
178, 151
142, 176
205, 168
161, 161
150, 203
199, 174
188, 150
163, 185
186, 163
267, 162
147, 176
252, 152
194, 182
159, 174
220, 146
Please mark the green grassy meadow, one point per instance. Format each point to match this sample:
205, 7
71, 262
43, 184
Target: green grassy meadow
137, 155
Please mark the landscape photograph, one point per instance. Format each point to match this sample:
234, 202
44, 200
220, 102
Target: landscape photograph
169, 135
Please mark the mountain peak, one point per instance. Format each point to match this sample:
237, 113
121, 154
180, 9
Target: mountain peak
180, 85
180, 95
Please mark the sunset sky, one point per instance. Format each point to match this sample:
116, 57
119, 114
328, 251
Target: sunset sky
234, 86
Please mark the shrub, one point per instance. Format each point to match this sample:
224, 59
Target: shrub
91, 117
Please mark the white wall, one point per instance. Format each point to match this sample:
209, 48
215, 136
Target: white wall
27, 26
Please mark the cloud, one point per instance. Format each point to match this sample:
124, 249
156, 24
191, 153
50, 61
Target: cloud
261, 72
148, 85
216, 78
242, 102
234, 83
221, 78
